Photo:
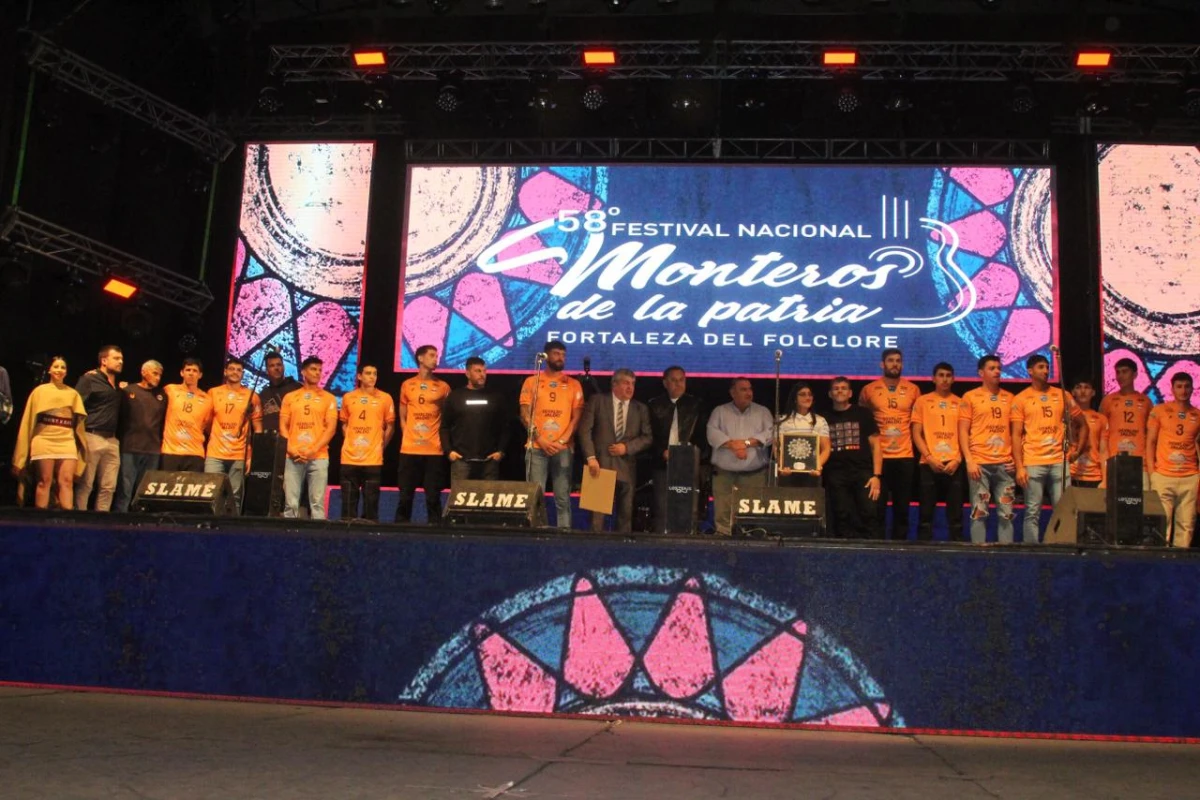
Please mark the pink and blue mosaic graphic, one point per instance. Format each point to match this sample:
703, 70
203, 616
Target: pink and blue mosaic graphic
300, 267
651, 642
1149, 209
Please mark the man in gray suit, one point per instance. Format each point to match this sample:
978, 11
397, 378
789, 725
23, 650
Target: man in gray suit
614, 429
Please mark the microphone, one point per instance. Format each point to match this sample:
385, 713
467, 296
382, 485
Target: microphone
778, 354
587, 364
539, 358
1054, 349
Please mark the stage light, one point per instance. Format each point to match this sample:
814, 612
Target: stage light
377, 100
270, 100
71, 300
1093, 105
687, 103
137, 322
847, 100
593, 97
599, 57
1190, 102
1022, 101
617, 6
120, 287
839, 58
543, 100
1093, 59
898, 101
365, 59
15, 272
493, 5
440, 6
448, 99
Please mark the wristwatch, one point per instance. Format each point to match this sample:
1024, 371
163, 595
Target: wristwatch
878, 475
746, 442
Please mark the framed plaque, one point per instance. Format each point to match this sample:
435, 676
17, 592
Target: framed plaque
800, 452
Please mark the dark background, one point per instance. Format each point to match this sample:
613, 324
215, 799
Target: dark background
108, 175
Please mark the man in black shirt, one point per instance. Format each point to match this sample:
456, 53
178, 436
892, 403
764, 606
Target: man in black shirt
478, 427
852, 474
102, 399
674, 419
271, 396
143, 408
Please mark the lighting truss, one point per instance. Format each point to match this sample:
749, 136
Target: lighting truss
35, 235
722, 60
113, 90
276, 127
1021, 151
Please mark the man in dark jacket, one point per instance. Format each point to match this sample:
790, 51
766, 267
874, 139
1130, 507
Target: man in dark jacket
675, 418
477, 426
278, 386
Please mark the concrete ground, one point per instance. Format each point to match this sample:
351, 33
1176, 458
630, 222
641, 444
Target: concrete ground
56, 744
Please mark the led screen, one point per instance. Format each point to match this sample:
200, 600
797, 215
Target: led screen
300, 267
1149, 206
716, 268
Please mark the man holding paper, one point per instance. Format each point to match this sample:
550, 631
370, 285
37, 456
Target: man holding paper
614, 429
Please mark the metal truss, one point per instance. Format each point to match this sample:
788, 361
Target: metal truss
796, 60
35, 235
1021, 151
113, 90
305, 126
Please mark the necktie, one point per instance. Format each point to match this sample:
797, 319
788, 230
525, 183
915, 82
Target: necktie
620, 419
673, 436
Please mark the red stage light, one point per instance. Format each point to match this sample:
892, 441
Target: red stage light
120, 287
840, 58
370, 58
1093, 58
599, 58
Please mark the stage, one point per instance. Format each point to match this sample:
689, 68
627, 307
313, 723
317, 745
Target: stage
1049, 640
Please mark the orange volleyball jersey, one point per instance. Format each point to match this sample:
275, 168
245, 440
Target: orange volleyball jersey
306, 416
422, 400
1127, 416
938, 417
1090, 466
892, 407
1175, 450
364, 417
989, 414
557, 399
189, 414
1041, 414
233, 410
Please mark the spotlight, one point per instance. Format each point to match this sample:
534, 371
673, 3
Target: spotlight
686, 102
1191, 102
593, 97
543, 100
493, 5
839, 58
270, 100
440, 6
1022, 101
15, 272
1093, 105
898, 101
377, 100
1093, 59
120, 287
594, 57
617, 6
847, 100
370, 58
137, 322
71, 300
449, 99
188, 343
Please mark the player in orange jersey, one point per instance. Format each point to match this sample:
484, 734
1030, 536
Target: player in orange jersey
1128, 412
935, 435
891, 399
308, 420
189, 417
368, 422
236, 412
422, 460
985, 438
551, 406
1039, 433
1171, 443
1087, 463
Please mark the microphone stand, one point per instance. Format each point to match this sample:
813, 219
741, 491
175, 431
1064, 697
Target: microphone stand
773, 475
1066, 418
531, 433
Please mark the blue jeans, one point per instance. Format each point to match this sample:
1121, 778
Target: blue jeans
1044, 479
559, 468
995, 483
235, 469
133, 467
294, 473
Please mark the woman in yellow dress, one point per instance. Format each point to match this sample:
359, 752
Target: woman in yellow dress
50, 437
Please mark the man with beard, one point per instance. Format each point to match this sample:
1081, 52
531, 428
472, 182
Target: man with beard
477, 427
102, 398
891, 399
551, 406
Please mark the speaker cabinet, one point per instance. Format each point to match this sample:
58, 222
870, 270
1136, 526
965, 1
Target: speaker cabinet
263, 487
512, 504
185, 493
779, 511
1080, 518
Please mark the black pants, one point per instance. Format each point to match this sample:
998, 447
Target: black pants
428, 472
853, 514
897, 484
464, 470
949, 488
1085, 484
367, 481
182, 463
